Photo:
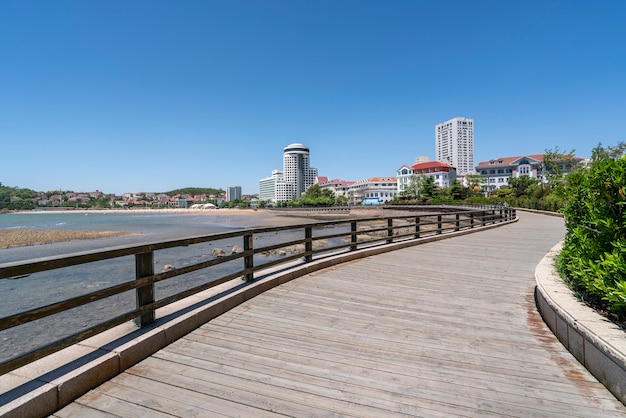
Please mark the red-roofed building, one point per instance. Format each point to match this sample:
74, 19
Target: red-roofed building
321, 180
378, 189
443, 174
497, 172
382, 188
338, 187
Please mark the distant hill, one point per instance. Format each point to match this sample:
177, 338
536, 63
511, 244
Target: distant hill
194, 191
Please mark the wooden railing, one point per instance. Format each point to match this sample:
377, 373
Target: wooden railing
331, 237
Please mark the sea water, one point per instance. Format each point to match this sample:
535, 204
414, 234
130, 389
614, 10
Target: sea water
41, 289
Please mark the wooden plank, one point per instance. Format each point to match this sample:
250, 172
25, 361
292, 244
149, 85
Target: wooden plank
448, 328
96, 402
76, 410
182, 402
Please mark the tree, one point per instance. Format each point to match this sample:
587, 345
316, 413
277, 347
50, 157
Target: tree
610, 152
523, 185
316, 196
341, 201
457, 191
475, 182
412, 188
429, 188
593, 258
556, 164
420, 187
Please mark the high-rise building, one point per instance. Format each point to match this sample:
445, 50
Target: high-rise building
454, 143
295, 178
233, 193
297, 171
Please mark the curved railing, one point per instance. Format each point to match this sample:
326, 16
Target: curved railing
285, 244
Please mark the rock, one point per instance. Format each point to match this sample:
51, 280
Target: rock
236, 250
168, 267
218, 252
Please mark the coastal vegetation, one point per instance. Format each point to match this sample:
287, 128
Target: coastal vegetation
13, 198
192, 191
593, 259
16, 198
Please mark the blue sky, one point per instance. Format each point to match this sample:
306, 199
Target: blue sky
128, 96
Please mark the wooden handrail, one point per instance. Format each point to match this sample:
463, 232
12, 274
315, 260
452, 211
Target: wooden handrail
352, 234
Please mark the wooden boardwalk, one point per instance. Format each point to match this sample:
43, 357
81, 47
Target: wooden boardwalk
447, 328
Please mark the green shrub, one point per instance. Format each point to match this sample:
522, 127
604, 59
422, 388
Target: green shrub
593, 256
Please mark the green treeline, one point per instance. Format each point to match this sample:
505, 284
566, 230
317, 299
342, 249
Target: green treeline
13, 198
193, 191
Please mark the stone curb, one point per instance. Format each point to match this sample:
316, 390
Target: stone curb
594, 341
47, 385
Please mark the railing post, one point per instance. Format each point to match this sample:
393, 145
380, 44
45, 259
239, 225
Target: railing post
417, 226
471, 220
248, 259
438, 224
457, 224
389, 230
144, 266
353, 238
308, 245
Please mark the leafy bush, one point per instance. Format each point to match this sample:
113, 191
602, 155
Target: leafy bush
593, 256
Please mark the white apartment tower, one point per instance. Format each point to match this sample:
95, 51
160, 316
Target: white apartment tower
233, 193
454, 142
297, 171
294, 179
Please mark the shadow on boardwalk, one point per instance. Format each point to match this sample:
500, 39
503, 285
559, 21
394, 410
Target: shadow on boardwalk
447, 328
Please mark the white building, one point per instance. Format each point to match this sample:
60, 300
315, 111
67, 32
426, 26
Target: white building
382, 188
337, 186
454, 144
443, 174
294, 180
378, 189
267, 186
497, 172
233, 193
297, 170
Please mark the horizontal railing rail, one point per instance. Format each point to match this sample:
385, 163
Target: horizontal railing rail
312, 240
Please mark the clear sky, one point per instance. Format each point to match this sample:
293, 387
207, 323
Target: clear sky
129, 96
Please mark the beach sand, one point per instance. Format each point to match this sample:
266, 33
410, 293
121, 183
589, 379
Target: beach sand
23, 237
247, 217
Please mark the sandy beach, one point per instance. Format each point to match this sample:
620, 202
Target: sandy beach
249, 217
22, 237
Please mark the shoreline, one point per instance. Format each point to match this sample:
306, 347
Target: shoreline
14, 238
227, 211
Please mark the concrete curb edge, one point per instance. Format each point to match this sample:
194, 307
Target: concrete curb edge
593, 340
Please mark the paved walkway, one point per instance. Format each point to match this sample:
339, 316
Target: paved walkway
447, 328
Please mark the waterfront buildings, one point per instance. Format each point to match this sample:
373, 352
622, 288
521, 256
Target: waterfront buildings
375, 190
497, 172
443, 174
337, 186
295, 178
454, 144
267, 186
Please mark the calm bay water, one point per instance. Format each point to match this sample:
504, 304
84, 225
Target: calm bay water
41, 289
